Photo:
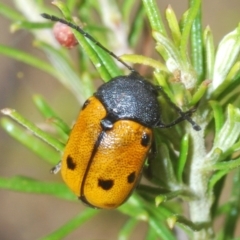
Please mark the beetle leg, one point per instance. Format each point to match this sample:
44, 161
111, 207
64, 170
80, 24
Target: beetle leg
183, 115
56, 168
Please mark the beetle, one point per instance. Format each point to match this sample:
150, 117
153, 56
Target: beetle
103, 159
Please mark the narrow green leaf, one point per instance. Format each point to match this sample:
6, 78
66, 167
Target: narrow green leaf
173, 25
218, 116
187, 224
63, 8
230, 131
234, 72
231, 222
186, 194
182, 97
162, 170
154, 16
172, 51
183, 20
156, 219
213, 157
218, 175
28, 25
134, 58
230, 82
226, 95
209, 51
30, 141
28, 185
137, 26
34, 129
28, 59
226, 56
126, 10
107, 61
48, 113
234, 148
71, 225
202, 89
66, 72
227, 165
72, 4
191, 16
223, 209
161, 230
102, 60
10, 13
162, 81
151, 190
162, 51
151, 234
134, 207
197, 43
184, 149
174, 62
127, 229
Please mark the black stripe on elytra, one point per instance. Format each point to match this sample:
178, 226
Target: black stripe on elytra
95, 148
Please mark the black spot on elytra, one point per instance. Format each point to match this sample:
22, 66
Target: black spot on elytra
105, 184
131, 177
70, 163
85, 104
145, 139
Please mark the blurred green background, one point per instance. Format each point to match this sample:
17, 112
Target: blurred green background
25, 216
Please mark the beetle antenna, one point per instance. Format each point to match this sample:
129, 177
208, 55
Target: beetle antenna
88, 36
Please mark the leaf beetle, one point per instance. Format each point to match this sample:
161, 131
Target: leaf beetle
107, 147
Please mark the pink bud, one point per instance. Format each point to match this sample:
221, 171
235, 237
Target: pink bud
64, 35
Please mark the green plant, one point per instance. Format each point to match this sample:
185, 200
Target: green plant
191, 74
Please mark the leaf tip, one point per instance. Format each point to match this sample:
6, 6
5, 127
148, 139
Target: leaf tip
171, 221
7, 111
160, 199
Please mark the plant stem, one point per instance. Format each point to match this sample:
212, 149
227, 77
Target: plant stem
200, 209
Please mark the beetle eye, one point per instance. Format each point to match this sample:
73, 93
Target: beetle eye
145, 139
